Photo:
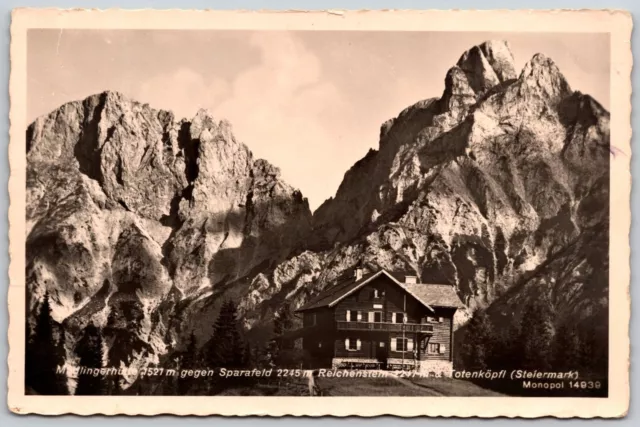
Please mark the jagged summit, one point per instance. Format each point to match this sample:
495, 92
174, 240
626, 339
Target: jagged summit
108, 163
487, 65
542, 76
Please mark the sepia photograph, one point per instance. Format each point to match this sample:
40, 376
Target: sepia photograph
274, 212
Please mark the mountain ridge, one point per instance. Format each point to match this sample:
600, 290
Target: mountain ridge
133, 212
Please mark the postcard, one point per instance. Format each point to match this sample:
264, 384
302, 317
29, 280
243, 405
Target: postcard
347, 213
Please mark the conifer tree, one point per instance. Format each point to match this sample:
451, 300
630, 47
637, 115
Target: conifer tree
187, 360
594, 350
507, 348
226, 347
46, 354
479, 342
566, 349
123, 325
536, 334
89, 350
280, 349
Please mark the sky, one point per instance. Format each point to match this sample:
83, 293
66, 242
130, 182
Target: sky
310, 102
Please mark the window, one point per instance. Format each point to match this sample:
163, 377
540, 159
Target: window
375, 316
352, 344
354, 316
397, 317
401, 344
434, 348
320, 344
313, 319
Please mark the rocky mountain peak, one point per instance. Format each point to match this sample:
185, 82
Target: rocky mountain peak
105, 164
487, 65
542, 77
500, 156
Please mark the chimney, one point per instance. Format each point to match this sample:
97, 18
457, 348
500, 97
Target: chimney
410, 279
358, 273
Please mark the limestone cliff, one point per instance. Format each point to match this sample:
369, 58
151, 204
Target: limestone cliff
129, 207
480, 188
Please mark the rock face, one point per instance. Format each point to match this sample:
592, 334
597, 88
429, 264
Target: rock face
127, 206
500, 186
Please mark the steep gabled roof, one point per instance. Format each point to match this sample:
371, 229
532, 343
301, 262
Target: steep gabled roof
428, 295
337, 292
436, 295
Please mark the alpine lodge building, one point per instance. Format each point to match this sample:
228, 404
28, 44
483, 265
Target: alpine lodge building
382, 321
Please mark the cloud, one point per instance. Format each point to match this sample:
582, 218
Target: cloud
183, 91
281, 108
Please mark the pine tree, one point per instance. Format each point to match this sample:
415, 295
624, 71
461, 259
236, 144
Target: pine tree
280, 349
89, 350
46, 354
226, 347
594, 349
479, 342
123, 326
507, 349
187, 360
536, 334
566, 348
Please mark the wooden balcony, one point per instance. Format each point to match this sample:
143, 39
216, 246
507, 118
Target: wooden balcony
343, 325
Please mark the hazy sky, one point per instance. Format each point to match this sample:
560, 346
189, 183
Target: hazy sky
309, 102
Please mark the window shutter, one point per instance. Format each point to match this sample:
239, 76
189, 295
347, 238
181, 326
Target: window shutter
348, 315
359, 316
358, 345
394, 344
346, 343
393, 317
410, 344
371, 319
442, 349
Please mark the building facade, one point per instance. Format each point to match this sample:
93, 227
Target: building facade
384, 321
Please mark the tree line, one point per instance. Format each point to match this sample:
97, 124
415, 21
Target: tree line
45, 353
538, 341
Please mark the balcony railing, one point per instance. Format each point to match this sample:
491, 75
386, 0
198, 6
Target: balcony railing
384, 326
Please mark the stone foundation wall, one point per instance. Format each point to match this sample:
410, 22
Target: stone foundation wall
439, 368
339, 362
398, 363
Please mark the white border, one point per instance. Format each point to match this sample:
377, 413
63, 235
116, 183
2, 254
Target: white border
617, 23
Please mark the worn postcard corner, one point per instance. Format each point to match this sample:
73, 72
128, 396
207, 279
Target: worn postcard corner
410, 213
